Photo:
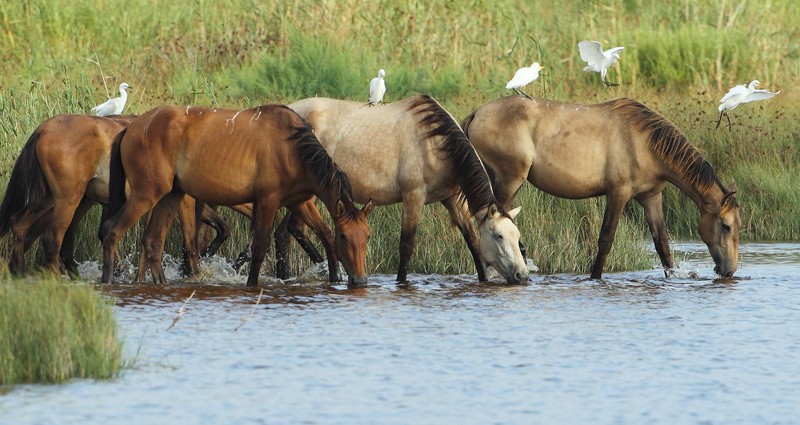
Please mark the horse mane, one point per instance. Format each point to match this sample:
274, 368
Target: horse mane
325, 172
669, 144
466, 168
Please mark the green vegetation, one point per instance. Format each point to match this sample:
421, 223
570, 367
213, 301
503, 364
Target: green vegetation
680, 58
51, 332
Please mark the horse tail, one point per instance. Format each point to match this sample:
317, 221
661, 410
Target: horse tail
116, 179
27, 187
465, 124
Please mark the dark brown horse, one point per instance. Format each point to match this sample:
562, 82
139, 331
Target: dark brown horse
61, 172
620, 149
266, 155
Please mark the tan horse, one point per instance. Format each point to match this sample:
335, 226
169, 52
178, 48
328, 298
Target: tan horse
414, 152
61, 172
620, 149
266, 155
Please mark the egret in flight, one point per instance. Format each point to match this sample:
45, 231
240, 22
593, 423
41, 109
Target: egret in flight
377, 88
741, 94
113, 106
523, 77
599, 61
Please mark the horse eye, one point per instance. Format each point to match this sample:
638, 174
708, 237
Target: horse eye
342, 236
726, 227
498, 236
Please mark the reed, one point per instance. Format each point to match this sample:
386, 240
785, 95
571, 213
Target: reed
680, 58
51, 332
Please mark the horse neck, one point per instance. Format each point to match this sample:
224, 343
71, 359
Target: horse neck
705, 200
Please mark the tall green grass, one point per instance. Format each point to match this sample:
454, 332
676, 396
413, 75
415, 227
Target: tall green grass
51, 332
679, 58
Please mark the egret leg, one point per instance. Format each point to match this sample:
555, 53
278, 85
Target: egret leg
729, 120
721, 113
610, 84
526, 95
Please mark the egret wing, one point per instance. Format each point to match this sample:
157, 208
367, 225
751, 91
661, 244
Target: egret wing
733, 92
373, 86
611, 52
518, 79
759, 95
591, 51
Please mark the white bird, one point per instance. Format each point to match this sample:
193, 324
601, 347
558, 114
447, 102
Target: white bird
523, 77
377, 88
599, 61
113, 106
741, 94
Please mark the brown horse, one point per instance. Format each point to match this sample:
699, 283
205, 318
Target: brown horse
266, 155
61, 172
413, 151
620, 149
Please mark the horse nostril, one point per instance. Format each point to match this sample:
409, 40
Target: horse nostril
729, 274
520, 277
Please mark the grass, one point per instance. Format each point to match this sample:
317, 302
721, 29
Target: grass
51, 332
679, 58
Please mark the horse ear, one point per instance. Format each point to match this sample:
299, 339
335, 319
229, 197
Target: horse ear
367, 208
481, 214
340, 208
492, 210
513, 213
727, 198
732, 188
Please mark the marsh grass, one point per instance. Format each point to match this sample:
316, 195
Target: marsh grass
52, 331
679, 58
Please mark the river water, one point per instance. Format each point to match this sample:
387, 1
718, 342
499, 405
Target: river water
634, 348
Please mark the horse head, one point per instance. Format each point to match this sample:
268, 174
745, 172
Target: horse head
500, 243
719, 229
350, 240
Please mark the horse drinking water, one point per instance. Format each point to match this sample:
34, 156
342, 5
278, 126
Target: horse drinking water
620, 149
266, 155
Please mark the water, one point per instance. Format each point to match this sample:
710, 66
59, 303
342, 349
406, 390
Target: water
635, 348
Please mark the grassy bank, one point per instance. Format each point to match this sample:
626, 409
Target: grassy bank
680, 58
51, 332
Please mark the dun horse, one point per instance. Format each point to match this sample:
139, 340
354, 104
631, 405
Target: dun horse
266, 155
60, 174
620, 149
414, 152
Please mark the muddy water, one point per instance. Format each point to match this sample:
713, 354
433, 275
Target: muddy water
634, 348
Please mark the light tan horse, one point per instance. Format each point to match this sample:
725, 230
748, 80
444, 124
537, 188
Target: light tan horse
620, 149
413, 151
266, 155
61, 172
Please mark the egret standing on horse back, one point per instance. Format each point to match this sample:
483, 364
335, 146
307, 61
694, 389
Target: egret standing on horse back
599, 61
113, 106
523, 77
377, 88
741, 94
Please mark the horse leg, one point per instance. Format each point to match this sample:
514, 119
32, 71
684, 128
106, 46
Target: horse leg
412, 207
263, 218
459, 216
64, 209
160, 220
213, 219
308, 213
655, 219
188, 219
21, 224
615, 202
141, 268
68, 244
37, 228
282, 240
134, 208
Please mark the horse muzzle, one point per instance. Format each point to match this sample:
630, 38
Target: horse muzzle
356, 282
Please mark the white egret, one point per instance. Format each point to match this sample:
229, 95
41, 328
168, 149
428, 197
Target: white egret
599, 61
113, 106
741, 94
377, 88
523, 77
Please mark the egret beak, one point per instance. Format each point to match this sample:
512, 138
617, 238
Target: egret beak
619, 59
541, 67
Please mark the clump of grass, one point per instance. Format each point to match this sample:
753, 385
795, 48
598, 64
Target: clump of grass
51, 332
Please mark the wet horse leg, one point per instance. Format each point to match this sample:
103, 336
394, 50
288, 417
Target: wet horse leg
21, 225
135, 207
308, 213
187, 217
615, 202
459, 216
68, 244
263, 218
290, 225
64, 208
655, 220
153, 242
412, 207
213, 219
